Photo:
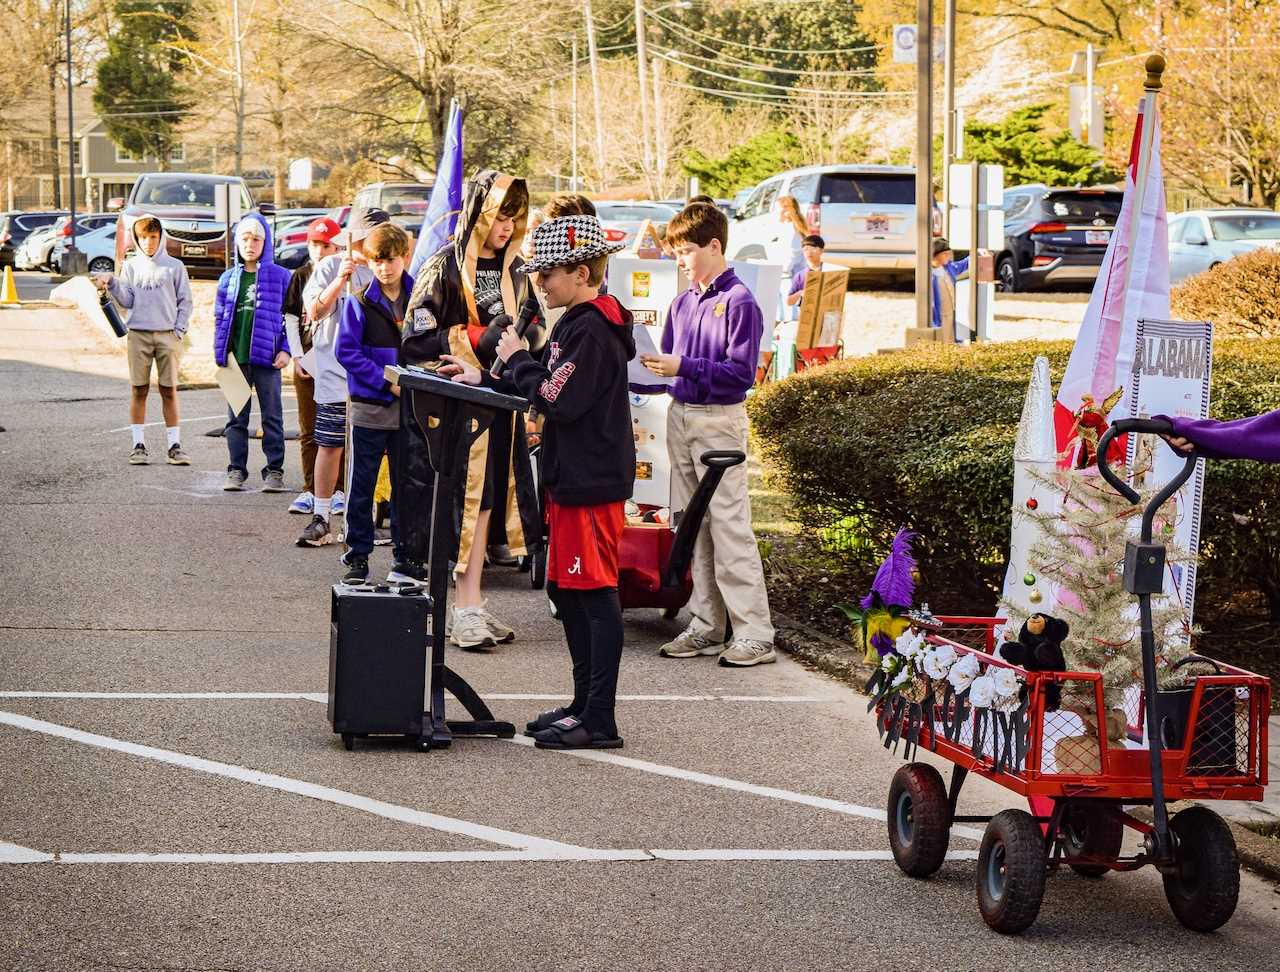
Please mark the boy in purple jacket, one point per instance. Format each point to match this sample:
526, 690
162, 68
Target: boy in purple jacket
710, 345
368, 341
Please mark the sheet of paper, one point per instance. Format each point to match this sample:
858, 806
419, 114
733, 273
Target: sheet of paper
308, 362
640, 378
234, 388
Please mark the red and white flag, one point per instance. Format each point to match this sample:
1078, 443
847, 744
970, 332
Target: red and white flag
1133, 283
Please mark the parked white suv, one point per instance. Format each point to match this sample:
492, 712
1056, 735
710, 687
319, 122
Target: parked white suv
864, 213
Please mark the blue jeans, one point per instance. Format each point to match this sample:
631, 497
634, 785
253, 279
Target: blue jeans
266, 384
367, 449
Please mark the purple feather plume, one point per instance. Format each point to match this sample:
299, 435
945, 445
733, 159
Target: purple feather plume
893, 580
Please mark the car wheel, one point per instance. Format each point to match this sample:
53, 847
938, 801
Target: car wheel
102, 265
1007, 275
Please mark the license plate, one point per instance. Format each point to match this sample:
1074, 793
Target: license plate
194, 249
877, 224
1097, 237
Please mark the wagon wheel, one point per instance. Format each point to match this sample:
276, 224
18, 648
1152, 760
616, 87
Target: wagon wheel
1090, 831
1011, 872
1204, 888
919, 819
538, 569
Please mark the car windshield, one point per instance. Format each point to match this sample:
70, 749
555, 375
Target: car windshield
633, 212
1254, 226
1084, 205
858, 189
405, 199
164, 190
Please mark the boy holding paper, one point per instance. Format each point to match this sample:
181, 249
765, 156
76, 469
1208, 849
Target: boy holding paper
710, 345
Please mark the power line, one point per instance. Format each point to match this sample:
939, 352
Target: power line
768, 69
789, 89
681, 28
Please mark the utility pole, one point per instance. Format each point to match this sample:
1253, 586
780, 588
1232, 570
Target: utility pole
950, 135
660, 133
238, 52
924, 160
641, 63
595, 90
573, 124
70, 261
1086, 118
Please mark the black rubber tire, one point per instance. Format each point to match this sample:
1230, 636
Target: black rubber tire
102, 265
1090, 829
1007, 275
919, 819
1204, 891
1011, 872
348, 741
670, 614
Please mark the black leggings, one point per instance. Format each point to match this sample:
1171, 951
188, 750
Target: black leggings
593, 627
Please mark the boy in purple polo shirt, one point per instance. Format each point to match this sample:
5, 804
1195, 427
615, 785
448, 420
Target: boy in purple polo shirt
710, 345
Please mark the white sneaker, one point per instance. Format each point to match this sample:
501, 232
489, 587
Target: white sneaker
338, 503
690, 644
470, 630
501, 633
743, 653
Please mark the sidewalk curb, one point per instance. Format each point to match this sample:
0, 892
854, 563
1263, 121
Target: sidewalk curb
1259, 854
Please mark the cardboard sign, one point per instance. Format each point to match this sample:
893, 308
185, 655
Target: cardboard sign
1171, 370
822, 309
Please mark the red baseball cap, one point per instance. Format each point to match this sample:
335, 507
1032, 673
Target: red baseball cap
323, 230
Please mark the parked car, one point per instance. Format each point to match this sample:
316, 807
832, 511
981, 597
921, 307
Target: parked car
865, 213
405, 202
1203, 238
85, 224
15, 227
36, 249
99, 249
621, 221
184, 204
1055, 235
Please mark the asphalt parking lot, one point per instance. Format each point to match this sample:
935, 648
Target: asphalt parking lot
171, 796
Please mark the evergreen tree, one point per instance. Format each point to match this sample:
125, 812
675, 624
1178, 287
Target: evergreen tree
1028, 154
1080, 553
139, 93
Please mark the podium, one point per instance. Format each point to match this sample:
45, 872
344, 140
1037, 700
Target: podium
451, 416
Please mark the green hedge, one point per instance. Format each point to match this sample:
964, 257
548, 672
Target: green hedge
925, 438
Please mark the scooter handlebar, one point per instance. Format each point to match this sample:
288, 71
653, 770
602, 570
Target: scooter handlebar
723, 458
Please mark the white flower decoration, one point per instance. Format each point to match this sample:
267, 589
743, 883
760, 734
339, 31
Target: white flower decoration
909, 644
1006, 680
963, 673
902, 676
932, 667
982, 692
946, 656
889, 662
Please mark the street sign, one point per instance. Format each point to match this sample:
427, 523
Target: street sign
904, 44
226, 203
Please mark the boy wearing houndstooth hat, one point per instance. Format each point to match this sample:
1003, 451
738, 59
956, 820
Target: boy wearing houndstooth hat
579, 384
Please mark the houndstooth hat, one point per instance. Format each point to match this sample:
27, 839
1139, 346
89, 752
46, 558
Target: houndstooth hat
566, 241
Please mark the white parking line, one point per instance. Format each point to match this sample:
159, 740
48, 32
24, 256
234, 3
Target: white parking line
322, 697
185, 421
391, 811
724, 783
13, 854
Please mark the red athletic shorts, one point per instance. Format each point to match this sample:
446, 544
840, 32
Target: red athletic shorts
583, 553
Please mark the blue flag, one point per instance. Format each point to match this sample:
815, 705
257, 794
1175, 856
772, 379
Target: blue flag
446, 195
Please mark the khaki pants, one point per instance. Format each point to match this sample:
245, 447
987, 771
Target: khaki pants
728, 581
305, 390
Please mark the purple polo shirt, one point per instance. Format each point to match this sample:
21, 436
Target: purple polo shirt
797, 282
717, 334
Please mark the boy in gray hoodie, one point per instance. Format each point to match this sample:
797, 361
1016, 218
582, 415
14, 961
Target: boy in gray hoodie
153, 286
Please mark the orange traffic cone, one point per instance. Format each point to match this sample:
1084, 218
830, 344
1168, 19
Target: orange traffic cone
9, 293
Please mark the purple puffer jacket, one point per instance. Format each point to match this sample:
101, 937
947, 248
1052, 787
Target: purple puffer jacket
1256, 437
268, 316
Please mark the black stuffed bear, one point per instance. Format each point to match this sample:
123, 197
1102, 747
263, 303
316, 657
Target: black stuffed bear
1039, 649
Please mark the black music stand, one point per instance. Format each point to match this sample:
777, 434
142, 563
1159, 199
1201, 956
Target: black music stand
451, 415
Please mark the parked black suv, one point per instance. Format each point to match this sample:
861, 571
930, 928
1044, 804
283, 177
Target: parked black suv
16, 227
1055, 235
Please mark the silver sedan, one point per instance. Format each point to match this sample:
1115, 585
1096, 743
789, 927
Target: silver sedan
1203, 238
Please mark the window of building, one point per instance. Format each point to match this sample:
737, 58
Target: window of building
124, 155
178, 153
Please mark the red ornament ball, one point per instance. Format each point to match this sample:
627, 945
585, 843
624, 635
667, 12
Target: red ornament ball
1032, 504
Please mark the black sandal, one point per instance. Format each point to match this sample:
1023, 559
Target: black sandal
545, 720
570, 733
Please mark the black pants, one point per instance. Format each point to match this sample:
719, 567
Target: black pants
593, 627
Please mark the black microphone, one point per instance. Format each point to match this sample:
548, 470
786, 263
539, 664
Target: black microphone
527, 318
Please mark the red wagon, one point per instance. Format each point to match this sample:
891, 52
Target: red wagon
1206, 740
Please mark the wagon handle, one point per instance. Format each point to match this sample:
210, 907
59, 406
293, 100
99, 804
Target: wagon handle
1159, 427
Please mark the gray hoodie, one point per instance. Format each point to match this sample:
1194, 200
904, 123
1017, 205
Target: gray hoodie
155, 289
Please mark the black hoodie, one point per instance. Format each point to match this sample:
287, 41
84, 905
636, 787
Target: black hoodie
580, 386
